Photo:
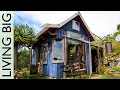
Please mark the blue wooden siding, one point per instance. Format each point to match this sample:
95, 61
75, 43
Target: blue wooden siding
58, 70
82, 31
45, 70
61, 33
50, 58
34, 56
68, 27
47, 67
88, 57
86, 38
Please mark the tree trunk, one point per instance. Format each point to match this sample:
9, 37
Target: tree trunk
15, 57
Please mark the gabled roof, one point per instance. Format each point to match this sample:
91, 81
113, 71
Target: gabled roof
47, 26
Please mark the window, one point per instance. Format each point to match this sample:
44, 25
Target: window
76, 52
75, 25
34, 56
44, 53
58, 51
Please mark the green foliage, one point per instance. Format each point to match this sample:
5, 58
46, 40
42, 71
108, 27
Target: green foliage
23, 59
118, 27
93, 48
108, 38
111, 38
108, 76
23, 34
116, 69
116, 47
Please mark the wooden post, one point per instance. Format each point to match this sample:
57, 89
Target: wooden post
30, 50
98, 59
90, 62
65, 56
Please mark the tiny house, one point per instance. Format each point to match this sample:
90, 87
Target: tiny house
63, 44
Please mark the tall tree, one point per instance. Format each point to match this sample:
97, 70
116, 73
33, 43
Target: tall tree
23, 36
23, 58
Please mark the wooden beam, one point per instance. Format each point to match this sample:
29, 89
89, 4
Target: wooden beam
90, 58
52, 33
78, 39
65, 56
98, 60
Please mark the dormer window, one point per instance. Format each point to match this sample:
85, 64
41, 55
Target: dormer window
75, 25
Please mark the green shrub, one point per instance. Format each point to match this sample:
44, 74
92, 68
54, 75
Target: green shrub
116, 69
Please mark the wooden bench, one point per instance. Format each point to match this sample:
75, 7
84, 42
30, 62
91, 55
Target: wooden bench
74, 69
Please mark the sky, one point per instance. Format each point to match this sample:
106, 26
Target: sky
100, 23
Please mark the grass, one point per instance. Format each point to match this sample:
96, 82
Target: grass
93, 76
79, 77
27, 71
110, 77
116, 69
37, 77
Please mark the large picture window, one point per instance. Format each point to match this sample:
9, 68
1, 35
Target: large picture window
58, 51
76, 52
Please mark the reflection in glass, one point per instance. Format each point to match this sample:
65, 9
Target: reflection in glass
58, 50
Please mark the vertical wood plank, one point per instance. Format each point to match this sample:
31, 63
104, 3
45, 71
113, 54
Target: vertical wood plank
98, 59
65, 55
90, 59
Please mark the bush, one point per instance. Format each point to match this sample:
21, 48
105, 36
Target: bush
116, 69
103, 69
20, 75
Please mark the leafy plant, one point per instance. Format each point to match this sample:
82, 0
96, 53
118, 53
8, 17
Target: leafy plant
116, 69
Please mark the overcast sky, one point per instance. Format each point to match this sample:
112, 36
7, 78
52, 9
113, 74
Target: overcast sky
100, 23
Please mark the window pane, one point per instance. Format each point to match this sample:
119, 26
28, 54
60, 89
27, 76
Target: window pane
58, 50
76, 52
44, 52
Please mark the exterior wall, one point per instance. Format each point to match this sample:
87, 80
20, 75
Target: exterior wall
52, 69
56, 69
88, 58
47, 67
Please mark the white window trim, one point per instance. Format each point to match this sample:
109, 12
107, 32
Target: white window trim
57, 61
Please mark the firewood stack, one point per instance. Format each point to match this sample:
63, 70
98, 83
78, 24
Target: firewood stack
110, 57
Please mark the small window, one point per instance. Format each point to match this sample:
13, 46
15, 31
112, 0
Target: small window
75, 25
44, 53
34, 56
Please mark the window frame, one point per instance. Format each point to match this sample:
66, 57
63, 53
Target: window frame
57, 61
42, 60
77, 23
83, 52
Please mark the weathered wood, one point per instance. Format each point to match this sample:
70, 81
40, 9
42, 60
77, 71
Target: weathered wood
65, 56
90, 58
30, 50
37, 54
98, 60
